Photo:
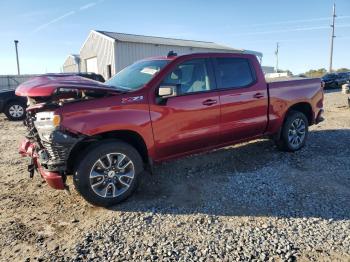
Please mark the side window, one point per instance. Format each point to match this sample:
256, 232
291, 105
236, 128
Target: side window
234, 72
190, 77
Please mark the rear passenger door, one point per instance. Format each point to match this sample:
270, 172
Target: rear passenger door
243, 99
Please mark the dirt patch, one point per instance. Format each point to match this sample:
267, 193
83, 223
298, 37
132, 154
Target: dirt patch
248, 201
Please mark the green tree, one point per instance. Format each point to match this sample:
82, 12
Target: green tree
343, 69
285, 71
316, 73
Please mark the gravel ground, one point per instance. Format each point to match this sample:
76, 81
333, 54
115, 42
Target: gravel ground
246, 202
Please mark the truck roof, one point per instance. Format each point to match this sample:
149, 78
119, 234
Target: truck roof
173, 57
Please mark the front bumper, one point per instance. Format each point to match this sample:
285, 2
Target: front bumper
53, 179
56, 150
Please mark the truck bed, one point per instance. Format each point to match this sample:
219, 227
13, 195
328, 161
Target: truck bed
291, 91
296, 85
280, 79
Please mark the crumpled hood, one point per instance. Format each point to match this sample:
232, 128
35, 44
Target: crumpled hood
46, 85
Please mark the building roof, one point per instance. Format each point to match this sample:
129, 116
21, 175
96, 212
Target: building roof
75, 57
122, 37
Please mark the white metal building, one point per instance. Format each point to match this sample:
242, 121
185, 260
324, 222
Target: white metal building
268, 69
106, 53
72, 64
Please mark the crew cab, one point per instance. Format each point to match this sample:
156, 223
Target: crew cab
157, 109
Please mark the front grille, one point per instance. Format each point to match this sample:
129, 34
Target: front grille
32, 133
56, 152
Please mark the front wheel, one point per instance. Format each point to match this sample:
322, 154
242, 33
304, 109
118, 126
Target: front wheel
15, 110
109, 173
294, 132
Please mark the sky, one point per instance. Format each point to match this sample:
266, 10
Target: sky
48, 31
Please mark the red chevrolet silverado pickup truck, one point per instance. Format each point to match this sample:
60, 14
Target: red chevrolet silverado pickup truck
106, 135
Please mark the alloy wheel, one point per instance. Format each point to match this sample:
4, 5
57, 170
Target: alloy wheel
16, 111
112, 175
297, 132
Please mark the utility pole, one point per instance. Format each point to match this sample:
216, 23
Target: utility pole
332, 40
276, 53
16, 43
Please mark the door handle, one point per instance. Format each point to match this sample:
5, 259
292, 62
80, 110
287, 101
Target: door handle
209, 102
258, 95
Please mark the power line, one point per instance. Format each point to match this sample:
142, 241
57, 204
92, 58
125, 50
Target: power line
297, 21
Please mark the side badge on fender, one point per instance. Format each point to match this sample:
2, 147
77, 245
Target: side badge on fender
131, 99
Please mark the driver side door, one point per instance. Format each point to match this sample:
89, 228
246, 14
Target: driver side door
189, 121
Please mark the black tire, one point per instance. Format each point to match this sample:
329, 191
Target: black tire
335, 85
284, 143
15, 110
82, 178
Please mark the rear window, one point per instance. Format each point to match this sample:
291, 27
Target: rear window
234, 72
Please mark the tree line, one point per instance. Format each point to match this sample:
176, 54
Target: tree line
315, 72
322, 71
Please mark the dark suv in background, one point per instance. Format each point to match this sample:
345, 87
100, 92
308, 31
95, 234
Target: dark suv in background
93, 76
335, 80
14, 107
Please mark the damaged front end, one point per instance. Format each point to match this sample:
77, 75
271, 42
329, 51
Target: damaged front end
48, 147
47, 143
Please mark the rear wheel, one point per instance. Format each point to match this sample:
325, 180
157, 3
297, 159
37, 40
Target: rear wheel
109, 173
294, 132
15, 110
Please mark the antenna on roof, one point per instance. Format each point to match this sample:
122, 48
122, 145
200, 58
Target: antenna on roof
171, 53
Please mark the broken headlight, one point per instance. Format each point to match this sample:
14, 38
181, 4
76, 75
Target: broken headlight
45, 123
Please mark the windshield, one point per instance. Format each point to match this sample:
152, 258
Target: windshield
136, 75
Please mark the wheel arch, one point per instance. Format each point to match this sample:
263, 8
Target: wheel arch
128, 136
302, 107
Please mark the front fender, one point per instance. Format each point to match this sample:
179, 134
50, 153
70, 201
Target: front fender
97, 121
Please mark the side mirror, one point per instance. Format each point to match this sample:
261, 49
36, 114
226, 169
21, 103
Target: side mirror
167, 91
